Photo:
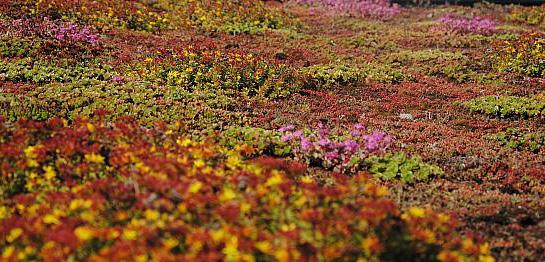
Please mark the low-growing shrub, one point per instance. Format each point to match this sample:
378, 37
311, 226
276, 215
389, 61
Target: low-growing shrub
520, 140
506, 106
117, 191
529, 15
235, 17
242, 74
30, 37
142, 100
260, 141
103, 14
399, 166
40, 72
15, 47
525, 55
406, 57
330, 75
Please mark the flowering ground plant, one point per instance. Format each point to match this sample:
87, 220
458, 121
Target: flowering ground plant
98, 190
524, 55
379, 9
465, 25
343, 154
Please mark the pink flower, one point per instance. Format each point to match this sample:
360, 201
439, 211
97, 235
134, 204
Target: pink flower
286, 128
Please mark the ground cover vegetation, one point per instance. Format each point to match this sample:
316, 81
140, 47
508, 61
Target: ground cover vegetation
191, 130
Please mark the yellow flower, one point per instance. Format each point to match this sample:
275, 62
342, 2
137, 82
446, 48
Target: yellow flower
467, 244
80, 203
8, 252
382, 191
199, 163
141, 258
195, 187
90, 127
484, 248
49, 173
94, 158
233, 161
185, 143
227, 194
29, 152
4, 212
130, 234
417, 212
282, 255
218, 235
84, 233
171, 242
231, 249
276, 179
151, 214
51, 219
14, 234
32, 163
368, 243
483, 258
182, 208
263, 246
306, 179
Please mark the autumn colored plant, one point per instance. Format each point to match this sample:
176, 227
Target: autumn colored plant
529, 15
524, 55
100, 190
102, 14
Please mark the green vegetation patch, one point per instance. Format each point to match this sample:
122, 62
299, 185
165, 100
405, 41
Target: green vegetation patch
507, 106
517, 139
400, 166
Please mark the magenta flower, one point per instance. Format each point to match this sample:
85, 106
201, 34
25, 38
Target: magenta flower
463, 25
306, 145
331, 155
287, 137
350, 145
375, 140
380, 9
298, 133
286, 128
324, 142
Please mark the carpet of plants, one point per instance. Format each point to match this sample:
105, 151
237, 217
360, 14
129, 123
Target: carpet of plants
249, 130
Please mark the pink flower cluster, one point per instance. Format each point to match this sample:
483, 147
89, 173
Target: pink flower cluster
343, 154
463, 25
75, 33
381, 9
48, 29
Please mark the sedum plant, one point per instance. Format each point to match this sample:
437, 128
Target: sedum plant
398, 166
507, 106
